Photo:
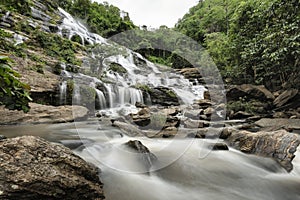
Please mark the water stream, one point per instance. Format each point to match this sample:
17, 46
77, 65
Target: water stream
226, 175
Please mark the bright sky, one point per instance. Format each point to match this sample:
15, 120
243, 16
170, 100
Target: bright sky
154, 13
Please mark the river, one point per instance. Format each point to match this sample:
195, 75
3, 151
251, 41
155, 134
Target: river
185, 169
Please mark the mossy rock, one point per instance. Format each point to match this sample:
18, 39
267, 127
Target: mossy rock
116, 67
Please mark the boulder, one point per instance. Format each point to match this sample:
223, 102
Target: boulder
193, 114
163, 96
128, 129
140, 105
285, 97
44, 114
193, 74
32, 168
279, 145
145, 155
256, 92
279, 122
241, 115
190, 123
204, 103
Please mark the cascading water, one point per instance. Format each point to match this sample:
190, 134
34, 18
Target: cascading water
226, 175
120, 88
63, 93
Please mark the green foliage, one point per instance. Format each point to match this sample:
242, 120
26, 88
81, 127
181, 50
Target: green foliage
55, 46
103, 19
144, 88
158, 120
13, 93
7, 44
159, 60
115, 67
207, 17
252, 41
249, 106
21, 6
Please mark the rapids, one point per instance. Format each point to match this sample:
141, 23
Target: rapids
226, 175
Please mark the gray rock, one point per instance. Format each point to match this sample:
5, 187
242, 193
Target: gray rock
256, 92
44, 114
285, 97
279, 145
128, 129
32, 168
279, 122
145, 155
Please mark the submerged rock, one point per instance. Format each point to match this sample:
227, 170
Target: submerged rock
279, 145
32, 168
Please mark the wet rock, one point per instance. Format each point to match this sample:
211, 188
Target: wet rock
73, 144
192, 74
279, 122
32, 168
44, 114
173, 111
198, 135
193, 114
146, 156
128, 129
204, 103
190, 123
256, 92
163, 96
285, 97
279, 145
241, 115
168, 132
226, 133
2, 137
209, 111
220, 147
140, 105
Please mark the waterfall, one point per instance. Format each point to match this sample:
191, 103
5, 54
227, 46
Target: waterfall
102, 100
63, 93
130, 69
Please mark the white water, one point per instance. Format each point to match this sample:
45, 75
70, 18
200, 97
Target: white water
121, 87
226, 175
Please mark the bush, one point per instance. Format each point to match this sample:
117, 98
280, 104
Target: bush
14, 94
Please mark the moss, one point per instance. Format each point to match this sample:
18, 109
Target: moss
76, 38
158, 120
171, 93
88, 95
144, 88
115, 67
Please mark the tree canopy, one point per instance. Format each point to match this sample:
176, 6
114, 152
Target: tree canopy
251, 41
104, 19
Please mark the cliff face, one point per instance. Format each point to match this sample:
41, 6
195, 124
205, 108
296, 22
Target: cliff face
31, 35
